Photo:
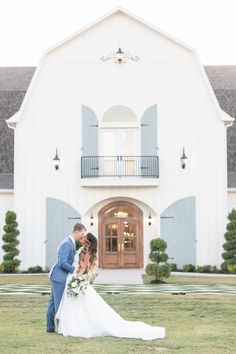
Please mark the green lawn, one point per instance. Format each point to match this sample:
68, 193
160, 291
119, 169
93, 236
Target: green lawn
195, 280
194, 324
176, 279
25, 279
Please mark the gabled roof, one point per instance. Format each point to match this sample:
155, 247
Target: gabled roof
13, 85
224, 117
111, 13
223, 81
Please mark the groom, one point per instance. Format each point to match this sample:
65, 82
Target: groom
60, 270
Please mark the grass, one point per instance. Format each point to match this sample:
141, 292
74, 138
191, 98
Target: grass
174, 279
195, 280
25, 279
194, 324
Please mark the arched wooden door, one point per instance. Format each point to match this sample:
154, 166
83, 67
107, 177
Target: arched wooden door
120, 236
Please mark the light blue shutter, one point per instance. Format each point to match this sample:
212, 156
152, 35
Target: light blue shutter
149, 165
60, 219
178, 229
90, 164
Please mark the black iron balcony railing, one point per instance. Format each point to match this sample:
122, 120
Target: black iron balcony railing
119, 166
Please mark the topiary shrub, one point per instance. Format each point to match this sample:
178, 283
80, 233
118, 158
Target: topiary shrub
159, 269
229, 246
10, 263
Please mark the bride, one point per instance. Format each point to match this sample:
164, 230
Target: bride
88, 315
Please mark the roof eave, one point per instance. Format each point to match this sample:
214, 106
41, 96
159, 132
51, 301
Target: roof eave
227, 119
13, 120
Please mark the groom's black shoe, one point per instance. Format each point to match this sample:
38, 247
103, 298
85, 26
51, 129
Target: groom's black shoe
50, 331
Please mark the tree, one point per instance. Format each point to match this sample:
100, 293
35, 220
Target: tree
10, 263
160, 268
229, 246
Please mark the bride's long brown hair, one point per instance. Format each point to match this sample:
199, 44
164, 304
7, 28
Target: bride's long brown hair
90, 247
93, 244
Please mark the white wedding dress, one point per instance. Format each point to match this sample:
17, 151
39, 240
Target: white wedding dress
89, 315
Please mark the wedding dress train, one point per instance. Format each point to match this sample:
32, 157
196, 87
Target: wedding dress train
89, 315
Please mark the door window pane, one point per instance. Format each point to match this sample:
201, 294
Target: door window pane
129, 236
120, 212
111, 244
111, 234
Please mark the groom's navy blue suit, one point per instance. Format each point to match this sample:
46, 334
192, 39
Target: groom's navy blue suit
58, 275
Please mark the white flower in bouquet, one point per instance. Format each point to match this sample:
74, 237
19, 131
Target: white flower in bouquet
76, 291
77, 285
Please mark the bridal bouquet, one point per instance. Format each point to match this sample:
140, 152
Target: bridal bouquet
77, 285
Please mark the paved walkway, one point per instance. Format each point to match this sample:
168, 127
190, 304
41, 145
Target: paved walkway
129, 289
119, 276
129, 281
134, 276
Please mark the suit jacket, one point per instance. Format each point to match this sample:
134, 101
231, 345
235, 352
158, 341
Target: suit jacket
66, 253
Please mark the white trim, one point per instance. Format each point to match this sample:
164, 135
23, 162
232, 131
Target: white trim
232, 190
118, 182
11, 122
228, 120
6, 191
118, 125
222, 115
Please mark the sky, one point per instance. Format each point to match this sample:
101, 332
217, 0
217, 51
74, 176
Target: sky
28, 27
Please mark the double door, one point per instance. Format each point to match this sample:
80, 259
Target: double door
121, 243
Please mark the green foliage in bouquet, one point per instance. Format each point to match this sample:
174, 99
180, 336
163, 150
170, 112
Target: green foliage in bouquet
160, 268
10, 263
229, 246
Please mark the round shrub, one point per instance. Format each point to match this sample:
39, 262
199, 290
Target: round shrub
159, 269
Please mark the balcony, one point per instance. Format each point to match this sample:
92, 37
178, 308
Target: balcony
119, 170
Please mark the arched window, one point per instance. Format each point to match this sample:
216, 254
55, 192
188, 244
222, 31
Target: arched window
119, 114
119, 132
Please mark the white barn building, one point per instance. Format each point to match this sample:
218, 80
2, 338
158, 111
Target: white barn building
120, 130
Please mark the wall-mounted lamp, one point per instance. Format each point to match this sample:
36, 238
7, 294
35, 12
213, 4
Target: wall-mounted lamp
91, 219
119, 57
183, 159
56, 161
150, 218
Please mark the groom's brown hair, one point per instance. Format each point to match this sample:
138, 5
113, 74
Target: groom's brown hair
79, 227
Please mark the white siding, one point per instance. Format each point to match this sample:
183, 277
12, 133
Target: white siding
231, 199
